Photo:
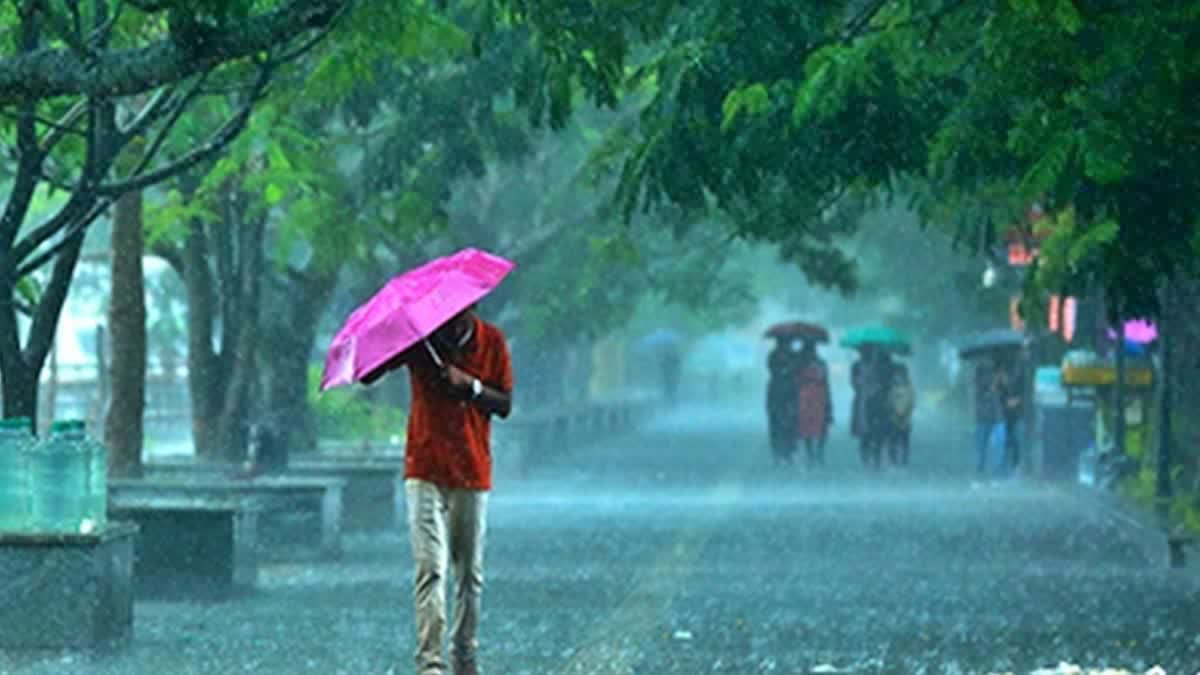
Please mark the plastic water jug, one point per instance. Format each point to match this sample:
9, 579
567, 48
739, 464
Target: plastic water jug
59, 468
15, 499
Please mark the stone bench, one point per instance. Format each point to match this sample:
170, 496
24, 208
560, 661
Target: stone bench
367, 502
366, 499
67, 591
191, 546
280, 498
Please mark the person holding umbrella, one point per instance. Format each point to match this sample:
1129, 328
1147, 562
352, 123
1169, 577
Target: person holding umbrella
782, 400
798, 398
871, 378
815, 403
461, 376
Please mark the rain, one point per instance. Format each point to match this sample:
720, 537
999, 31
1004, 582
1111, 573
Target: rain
487, 336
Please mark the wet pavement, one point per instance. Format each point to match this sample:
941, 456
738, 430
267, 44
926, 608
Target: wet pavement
680, 549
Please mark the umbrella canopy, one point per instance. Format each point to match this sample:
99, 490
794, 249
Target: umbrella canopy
408, 309
877, 336
991, 341
1138, 331
798, 330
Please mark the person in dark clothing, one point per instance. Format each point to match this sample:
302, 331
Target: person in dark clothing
901, 402
1010, 395
987, 412
869, 377
782, 401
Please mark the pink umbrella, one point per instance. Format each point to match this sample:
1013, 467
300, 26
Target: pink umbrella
408, 309
1138, 331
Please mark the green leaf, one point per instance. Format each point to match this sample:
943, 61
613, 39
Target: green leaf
273, 194
754, 99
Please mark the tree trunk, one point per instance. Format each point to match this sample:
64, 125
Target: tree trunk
123, 425
20, 386
287, 341
238, 409
205, 379
1162, 484
1119, 391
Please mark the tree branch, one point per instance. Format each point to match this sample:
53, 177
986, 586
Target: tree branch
30, 160
150, 113
101, 34
76, 229
211, 148
177, 109
58, 126
171, 254
48, 73
63, 127
83, 194
49, 308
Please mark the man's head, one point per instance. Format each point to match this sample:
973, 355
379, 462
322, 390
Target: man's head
453, 330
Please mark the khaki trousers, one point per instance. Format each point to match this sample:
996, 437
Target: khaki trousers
447, 529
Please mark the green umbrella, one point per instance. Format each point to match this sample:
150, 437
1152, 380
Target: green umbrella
878, 336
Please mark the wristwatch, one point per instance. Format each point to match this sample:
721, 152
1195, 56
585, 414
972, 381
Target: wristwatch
476, 388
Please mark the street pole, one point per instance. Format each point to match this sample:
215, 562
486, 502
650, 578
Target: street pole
1119, 390
1162, 486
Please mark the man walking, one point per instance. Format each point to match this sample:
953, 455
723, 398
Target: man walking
460, 378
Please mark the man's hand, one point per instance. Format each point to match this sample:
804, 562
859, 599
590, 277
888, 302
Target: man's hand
458, 378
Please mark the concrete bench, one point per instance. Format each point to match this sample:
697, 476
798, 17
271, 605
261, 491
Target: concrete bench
67, 591
192, 546
280, 497
367, 502
366, 499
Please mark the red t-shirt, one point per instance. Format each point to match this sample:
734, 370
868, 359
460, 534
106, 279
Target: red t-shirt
449, 439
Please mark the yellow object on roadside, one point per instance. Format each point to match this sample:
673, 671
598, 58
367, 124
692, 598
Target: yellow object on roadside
1099, 376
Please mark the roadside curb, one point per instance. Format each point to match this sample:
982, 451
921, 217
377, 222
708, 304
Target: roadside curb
1136, 520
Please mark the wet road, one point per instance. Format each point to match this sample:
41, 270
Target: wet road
680, 550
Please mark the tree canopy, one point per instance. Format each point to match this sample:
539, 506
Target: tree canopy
779, 112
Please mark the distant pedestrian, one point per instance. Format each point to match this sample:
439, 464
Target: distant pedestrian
901, 403
814, 403
448, 473
869, 376
987, 414
782, 400
1010, 398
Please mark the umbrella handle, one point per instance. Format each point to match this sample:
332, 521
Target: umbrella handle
433, 352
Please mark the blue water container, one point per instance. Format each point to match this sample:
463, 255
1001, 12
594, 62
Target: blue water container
16, 509
58, 469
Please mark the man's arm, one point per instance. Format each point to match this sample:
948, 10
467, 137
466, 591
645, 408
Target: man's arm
489, 399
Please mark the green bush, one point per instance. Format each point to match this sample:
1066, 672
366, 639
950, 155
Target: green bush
345, 416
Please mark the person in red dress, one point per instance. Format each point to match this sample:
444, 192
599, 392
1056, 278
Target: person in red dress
815, 403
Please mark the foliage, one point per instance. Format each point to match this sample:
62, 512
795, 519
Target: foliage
342, 414
777, 112
95, 102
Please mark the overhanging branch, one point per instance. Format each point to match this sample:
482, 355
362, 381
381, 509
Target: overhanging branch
214, 146
48, 73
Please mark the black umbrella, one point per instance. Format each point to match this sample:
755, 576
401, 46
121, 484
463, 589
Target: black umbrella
991, 341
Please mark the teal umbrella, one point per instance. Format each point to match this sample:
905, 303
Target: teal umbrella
878, 336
